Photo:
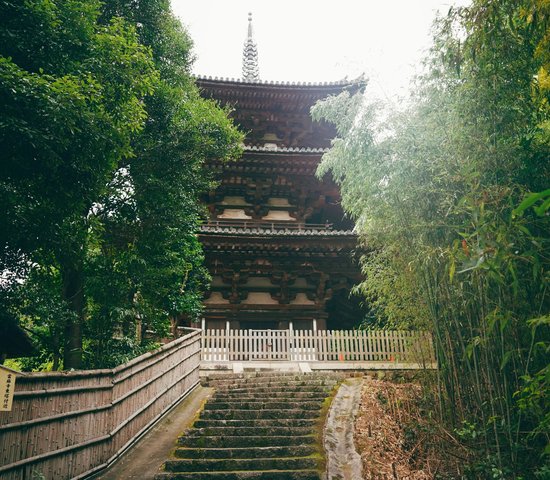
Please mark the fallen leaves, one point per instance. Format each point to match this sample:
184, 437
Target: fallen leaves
395, 438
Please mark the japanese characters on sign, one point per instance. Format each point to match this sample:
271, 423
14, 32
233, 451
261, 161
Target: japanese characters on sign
7, 386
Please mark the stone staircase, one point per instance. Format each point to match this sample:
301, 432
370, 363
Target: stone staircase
257, 426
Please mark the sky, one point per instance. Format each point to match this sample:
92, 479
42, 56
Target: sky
315, 41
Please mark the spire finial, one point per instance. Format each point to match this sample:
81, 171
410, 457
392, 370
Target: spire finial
249, 26
250, 55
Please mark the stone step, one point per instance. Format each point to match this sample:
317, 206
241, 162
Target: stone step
259, 423
280, 395
271, 378
272, 384
264, 377
259, 414
246, 441
211, 375
255, 426
268, 390
265, 475
262, 405
274, 374
245, 452
247, 431
240, 464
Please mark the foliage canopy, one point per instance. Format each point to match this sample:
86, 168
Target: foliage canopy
103, 137
451, 198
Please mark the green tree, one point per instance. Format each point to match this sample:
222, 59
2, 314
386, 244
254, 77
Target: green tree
71, 92
450, 197
104, 137
148, 221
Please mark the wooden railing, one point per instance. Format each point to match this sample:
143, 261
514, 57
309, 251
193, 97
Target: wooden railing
267, 225
381, 346
72, 424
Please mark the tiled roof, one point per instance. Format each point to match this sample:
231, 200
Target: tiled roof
339, 83
280, 232
249, 148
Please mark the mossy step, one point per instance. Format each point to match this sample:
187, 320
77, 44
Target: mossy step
264, 378
272, 384
259, 375
252, 374
249, 375
272, 378
258, 423
259, 414
268, 390
239, 464
246, 441
246, 452
247, 431
265, 475
280, 395
262, 405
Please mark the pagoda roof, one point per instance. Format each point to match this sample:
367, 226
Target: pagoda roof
290, 231
339, 248
278, 110
276, 149
337, 85
279, 241
253, 93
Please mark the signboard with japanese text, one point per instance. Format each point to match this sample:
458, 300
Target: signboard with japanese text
7, 387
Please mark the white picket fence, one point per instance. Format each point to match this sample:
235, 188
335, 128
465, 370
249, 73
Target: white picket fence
387, 346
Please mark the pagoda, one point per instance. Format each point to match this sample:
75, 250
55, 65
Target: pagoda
277, 243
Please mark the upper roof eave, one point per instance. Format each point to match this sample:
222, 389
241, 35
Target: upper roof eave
357, 83
286, 150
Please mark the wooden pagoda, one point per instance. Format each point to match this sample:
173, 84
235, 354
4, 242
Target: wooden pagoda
277, 244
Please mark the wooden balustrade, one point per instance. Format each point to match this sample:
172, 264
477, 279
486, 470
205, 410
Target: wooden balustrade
72, 424
268, 225
387, 346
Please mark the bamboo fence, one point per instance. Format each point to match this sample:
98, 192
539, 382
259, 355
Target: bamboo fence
70, 425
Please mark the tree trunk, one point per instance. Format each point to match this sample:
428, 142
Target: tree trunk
174, 326
56, 357
73, 294
139, 330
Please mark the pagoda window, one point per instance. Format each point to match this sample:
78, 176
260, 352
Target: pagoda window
301, 299
278, 202
259, 282
239, 201
259, 298
279, 216
271, 140
216, 324
302, 324
234, 214
301, 282
216, 298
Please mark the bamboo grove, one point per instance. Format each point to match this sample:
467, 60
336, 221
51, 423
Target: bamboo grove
451, 198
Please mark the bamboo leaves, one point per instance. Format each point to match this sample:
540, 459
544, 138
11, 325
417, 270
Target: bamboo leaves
530, 200
451, 197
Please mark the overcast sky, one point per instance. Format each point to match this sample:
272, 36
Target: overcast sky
308, 40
